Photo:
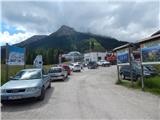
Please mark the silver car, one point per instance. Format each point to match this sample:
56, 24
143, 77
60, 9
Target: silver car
57, 73
76, 68
25, 84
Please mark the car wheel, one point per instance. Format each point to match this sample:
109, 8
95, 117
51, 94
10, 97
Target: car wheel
64, 78
42, 96
49, 86
3, 102
67, 76
138, 78
123, 76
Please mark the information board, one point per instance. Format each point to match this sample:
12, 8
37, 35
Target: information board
123, 56
150, 52
16, 55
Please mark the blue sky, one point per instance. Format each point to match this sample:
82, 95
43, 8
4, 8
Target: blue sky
11, 29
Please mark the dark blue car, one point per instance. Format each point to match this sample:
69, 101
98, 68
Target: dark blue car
136, 72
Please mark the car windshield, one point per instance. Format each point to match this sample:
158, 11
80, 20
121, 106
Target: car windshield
92, 63
55, 70
27, 75
71, 64
102, 60
77, 65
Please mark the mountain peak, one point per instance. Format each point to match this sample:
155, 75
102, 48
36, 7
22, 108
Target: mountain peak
66, 27
65, 30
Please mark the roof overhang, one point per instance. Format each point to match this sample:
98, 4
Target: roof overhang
152, 38
124, 46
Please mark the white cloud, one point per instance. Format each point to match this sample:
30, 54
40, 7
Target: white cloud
127, 20
15, 38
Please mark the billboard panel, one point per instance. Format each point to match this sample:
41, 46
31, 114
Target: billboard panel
16, 55
150, 52
123, 56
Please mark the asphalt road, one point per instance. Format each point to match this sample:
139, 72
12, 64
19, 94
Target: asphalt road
91, 94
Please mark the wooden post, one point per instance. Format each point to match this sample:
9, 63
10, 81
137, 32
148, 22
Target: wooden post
24, 58
118, 74
131, 66
142, 75
60, 59
118, 71
7, 61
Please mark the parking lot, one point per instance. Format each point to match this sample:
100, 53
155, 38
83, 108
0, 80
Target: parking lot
90, 94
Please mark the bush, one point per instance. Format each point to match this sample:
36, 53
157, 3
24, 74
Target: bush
157, 67
151, 82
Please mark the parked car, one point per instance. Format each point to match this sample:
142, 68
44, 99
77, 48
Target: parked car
85, 64
57, 73
92, 65
103, 63
81, 64
152, 69
67, 68
136, 71
26, 84
71, 66
76, 68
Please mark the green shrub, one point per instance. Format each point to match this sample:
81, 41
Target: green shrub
151, 82
157, 67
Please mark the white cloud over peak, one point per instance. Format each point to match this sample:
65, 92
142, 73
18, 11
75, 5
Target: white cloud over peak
127, 20
15, 38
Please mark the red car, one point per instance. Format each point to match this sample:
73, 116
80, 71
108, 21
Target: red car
67, 68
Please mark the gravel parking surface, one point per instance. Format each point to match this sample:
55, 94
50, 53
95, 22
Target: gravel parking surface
90, 94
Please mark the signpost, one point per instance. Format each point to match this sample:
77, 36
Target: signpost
60, 58
14, 56
150, 53
124, 58
38, 62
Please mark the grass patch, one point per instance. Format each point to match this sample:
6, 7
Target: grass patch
157, 67
152, 84
13, 70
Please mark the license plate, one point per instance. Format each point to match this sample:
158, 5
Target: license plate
14, 97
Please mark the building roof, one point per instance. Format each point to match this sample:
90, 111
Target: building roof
154, 37
123, 46
156, 33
